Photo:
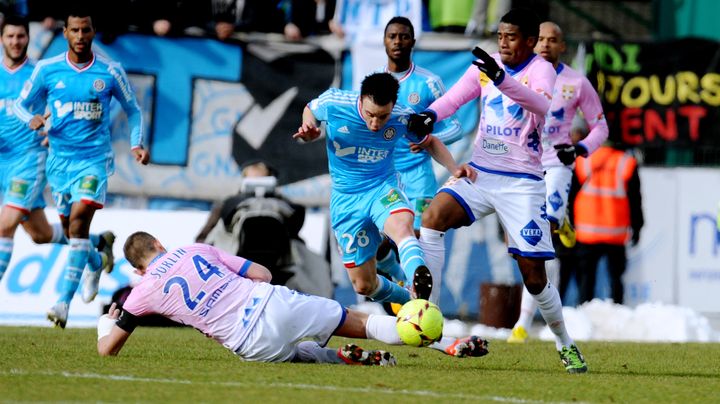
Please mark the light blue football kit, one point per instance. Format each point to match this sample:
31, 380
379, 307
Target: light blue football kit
365, 189
81, 157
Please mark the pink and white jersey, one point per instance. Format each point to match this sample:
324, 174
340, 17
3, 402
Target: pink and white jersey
572, 91
512, 117
204, 287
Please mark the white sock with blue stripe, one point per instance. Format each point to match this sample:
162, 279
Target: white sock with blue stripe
433, 246
6, 248
388, 291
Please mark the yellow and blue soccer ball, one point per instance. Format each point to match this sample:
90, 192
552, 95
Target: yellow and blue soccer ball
419, 323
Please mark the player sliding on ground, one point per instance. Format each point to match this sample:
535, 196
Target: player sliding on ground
229, 299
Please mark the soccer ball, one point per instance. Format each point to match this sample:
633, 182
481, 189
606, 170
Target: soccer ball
419, 323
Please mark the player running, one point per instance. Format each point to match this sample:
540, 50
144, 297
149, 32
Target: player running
515, 87
22, 157
572, 91
78, 86
362, 131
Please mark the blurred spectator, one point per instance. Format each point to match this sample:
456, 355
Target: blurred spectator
168, 17
450, 15
360, 21
230, 16
308, 17
607, 208
486, 14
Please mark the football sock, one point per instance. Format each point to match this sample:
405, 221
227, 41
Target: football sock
528, 306
411, 256
6, 248
58, 234
433, 247
389, 265
388, 291
76, 261
311, 352
443, 343
382, 328
548, 302
94, 240
94, 260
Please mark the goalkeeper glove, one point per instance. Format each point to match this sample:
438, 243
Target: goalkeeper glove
421, 124
488, 66
567, 153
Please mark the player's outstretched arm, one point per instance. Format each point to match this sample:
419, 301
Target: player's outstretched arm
442, 155
309, 129
111, 338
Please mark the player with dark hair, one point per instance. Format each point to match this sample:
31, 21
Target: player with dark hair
230, 300
22, 157
572, 91
362, 131
418, 89
515, 87
78, 86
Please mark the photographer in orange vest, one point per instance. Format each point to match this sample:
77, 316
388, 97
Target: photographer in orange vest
607, 210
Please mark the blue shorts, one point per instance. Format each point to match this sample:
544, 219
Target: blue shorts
419, 185
79, 181
358, 219
22, 180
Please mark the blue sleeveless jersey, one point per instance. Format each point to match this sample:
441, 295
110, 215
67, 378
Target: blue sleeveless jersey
358, 158
16, 138
79, 100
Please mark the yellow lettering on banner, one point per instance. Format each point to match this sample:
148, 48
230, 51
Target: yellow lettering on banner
710, 84
663, 95
687, 83
636, 85
615, 84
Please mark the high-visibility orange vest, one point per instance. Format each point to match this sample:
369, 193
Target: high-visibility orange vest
602, 209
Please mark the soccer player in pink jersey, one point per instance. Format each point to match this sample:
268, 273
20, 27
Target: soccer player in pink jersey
572, 91
515, 87
229, 299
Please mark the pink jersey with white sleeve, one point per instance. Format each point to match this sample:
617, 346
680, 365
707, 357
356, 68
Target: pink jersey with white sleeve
572, 91
203, 287
513, 114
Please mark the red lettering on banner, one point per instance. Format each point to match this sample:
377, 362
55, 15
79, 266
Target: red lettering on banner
654, 125
631, 118
694, 114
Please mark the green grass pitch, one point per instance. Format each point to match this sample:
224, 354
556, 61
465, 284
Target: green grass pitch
180, 365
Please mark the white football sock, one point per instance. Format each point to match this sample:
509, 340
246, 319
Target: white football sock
311, 352
551, 309
432, 243
383, 329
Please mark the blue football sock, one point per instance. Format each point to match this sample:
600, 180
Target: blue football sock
94, 260
76, 261
6, 248
411, 256
94, 240
390, 292
390, 266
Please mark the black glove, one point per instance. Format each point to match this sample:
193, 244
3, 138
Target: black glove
421, 124
566, 153
488, 66
635, 238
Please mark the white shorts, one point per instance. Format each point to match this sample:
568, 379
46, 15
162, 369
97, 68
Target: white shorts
288, 318
520, 206
557, 180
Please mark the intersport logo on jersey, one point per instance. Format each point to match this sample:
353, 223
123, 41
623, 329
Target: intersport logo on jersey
91, 111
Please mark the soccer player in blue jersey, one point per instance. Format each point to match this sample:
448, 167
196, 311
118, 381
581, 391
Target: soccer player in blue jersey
362, 130
22, 158
78, 86
418, 89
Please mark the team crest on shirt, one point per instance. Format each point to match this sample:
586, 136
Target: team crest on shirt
389, 133
98, 85
413, 98
568, 92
